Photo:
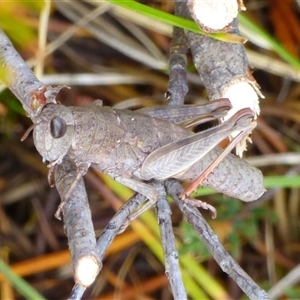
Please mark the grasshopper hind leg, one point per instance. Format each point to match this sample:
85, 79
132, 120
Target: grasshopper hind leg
244, 123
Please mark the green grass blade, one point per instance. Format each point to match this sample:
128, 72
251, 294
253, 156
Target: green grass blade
204, 279
270, 182
19, 283
282, 181
276, 46
175, 20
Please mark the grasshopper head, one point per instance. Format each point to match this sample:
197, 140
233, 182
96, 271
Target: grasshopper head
53, 132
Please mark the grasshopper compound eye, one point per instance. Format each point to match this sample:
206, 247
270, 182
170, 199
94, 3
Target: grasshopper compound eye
53, 132
58, 127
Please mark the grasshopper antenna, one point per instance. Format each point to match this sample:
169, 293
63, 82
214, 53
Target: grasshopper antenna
25, 135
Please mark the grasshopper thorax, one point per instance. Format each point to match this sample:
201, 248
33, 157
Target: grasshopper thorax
53, 132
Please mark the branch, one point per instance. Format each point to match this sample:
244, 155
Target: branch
177, 87
219, 64
224, 70
78, 224
221, 256
163, 212
109, 234
21, 81
33, 95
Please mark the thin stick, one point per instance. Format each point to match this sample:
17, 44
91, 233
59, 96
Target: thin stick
33, 95
163, 212
221, 256
177, 88
109, 234
78, 224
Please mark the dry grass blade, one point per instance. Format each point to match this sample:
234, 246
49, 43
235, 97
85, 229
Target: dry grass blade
104, 51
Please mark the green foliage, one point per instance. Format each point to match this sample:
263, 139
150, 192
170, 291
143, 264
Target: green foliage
14, 107
15, 20
19, 283
242, 228
175, 20
191, 243
273, 43
292, 293
192, 26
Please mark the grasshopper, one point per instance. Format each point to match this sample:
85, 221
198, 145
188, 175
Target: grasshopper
134, 147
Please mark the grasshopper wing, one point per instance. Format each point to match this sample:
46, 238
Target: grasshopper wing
173, 158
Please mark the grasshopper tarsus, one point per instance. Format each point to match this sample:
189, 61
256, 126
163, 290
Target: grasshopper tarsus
201, 204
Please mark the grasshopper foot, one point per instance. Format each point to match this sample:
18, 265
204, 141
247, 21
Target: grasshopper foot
201, 204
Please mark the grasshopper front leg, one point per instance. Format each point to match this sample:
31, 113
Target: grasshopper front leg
81, 171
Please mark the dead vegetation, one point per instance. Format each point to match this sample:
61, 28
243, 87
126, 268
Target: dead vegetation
114, 55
